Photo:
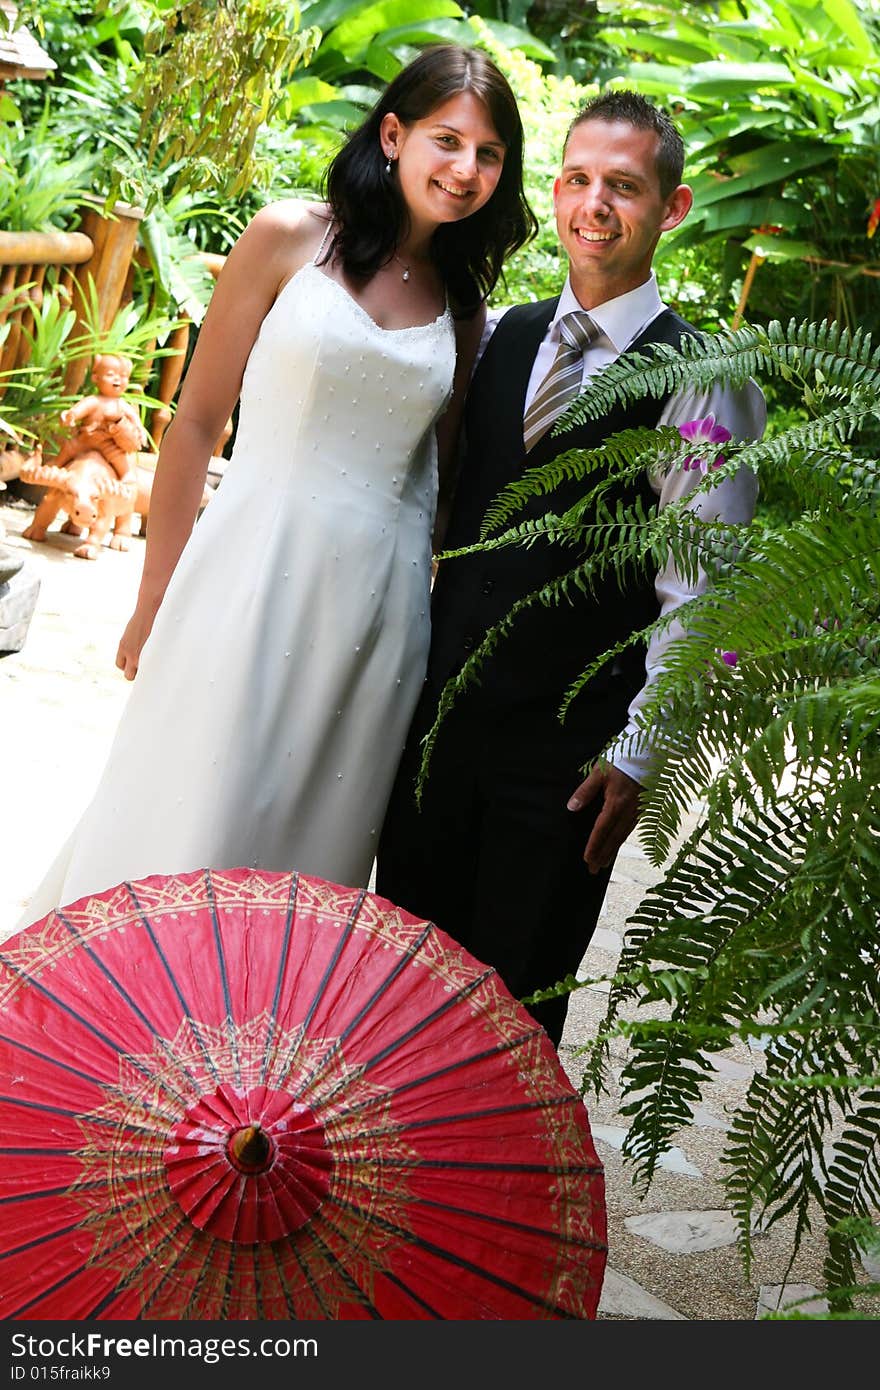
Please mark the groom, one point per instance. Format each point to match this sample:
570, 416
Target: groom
512, 850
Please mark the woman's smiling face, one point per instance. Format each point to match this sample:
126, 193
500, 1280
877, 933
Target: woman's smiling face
448, 163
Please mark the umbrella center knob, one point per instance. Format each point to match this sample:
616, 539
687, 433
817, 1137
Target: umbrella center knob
249, 1165
251, 1149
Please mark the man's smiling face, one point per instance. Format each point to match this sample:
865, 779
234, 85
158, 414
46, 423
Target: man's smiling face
610, 210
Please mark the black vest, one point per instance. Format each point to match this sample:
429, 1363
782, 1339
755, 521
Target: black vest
547, 647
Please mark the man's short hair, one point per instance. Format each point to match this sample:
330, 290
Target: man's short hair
636, 110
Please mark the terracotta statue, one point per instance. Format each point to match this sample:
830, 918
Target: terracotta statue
91, 494
100, 477
93, 498
105, 422
145, 474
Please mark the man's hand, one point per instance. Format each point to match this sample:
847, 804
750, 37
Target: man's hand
617, 818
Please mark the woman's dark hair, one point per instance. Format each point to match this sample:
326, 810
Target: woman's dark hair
369, 211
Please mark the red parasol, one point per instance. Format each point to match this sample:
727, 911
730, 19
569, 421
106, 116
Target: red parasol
252, 1095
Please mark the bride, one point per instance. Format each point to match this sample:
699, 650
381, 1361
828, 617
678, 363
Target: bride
280, 645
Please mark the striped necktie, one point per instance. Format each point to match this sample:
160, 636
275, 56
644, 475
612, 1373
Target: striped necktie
562, 382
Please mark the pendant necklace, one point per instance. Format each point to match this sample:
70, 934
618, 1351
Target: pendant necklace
405, 275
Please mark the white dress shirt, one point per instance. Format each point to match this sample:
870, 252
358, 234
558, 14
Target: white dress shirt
741, 410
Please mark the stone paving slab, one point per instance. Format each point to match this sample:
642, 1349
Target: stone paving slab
61, 698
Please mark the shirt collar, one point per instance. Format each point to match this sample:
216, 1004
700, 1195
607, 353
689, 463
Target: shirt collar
620, 320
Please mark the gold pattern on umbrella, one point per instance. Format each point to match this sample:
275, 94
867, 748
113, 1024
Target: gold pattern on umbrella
146, 1233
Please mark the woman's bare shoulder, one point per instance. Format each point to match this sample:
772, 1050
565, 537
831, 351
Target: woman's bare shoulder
293, 223
274, 245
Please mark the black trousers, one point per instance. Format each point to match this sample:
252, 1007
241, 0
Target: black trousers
493, 857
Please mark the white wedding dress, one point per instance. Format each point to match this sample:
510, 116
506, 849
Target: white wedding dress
275, 691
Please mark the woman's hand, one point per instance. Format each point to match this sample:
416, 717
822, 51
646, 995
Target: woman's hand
131, 644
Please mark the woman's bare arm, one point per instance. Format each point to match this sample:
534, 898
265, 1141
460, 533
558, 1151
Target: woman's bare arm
275, 244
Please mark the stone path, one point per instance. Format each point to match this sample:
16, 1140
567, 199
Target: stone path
672, 1252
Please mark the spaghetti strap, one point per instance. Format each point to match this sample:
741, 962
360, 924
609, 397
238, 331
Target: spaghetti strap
327, 231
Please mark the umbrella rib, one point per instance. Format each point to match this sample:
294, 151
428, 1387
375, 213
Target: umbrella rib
224, 974
108, 1042
84, 1076
512, 1225
283, 957
425, 1022
307, 1275
149, 1260
33, 1153
507, 1222
403, 1126
571, 1170
259, 1306
94, 1118
124, 994
198, 1284
411, 1293
458, 1065
406, 958
206, 1264
520, 1108
458, 1260
37, 1242
365, 1067
45, 1293
331, 965
227, 1285
342, 1272
508, 1045
46, 1057
52, 1192
172, 980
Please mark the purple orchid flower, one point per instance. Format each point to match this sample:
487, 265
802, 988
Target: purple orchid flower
703, 431
729, 658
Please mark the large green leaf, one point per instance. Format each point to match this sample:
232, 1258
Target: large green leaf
768, 165
659, 45
341, 115
654, 79
718, 128
326, 13
513, 37
779, 248
424, 31
352, 35
722, 80
843, 15
752, 212
380, 61
306, 91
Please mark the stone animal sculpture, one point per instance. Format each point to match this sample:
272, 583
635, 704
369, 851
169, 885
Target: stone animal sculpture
88, 490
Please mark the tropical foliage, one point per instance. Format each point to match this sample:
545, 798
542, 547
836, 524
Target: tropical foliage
779, 105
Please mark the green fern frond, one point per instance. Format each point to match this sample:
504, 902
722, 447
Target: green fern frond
626, 455
845, 360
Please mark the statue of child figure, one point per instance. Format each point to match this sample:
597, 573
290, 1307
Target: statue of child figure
105, 422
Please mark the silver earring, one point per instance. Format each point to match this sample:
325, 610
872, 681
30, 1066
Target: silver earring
388, 165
